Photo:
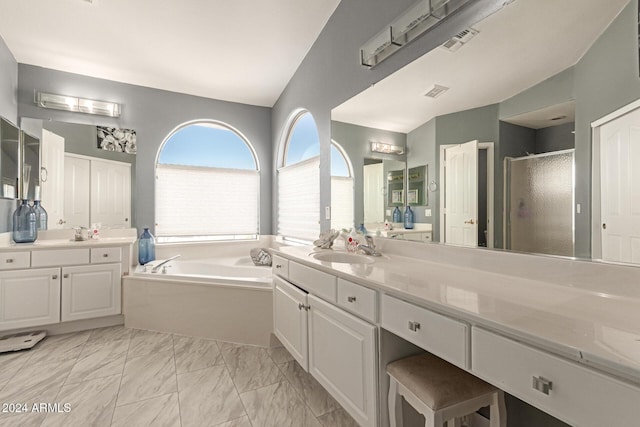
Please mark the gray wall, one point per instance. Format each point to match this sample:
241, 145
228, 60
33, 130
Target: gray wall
421, 150
555, 138
153, 114
8, 110
355, 141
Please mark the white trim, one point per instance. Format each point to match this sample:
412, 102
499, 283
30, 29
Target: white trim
614, 115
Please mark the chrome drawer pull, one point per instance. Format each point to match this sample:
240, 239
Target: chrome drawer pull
9, 260
105, 255
303, 307
414, 326
278, 265
542, 384
351, 299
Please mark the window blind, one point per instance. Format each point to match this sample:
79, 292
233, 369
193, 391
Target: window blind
299, 200
341, 202
201, 201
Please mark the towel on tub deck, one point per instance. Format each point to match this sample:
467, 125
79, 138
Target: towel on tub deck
260, 256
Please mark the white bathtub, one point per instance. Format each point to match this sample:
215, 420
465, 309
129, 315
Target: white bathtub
218, 271
222, 298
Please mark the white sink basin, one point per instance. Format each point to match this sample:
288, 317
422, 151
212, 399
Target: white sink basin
343, 257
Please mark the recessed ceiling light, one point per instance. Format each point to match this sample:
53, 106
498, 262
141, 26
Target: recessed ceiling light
435, 91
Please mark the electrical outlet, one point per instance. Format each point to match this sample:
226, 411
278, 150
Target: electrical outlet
578, 208
388, 212
427, 212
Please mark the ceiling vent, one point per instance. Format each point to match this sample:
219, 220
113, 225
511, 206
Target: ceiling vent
435, 91
459, 39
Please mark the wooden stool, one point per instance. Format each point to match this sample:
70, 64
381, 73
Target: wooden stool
441, 392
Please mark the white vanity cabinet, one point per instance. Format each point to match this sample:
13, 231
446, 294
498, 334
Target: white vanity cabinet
29, 298
48, 286
334, 346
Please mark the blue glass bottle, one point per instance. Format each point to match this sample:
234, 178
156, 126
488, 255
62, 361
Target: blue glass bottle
408, 218
41, 215
146, 247
24, 224
397, 216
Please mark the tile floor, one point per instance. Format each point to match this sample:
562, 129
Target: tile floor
128, 377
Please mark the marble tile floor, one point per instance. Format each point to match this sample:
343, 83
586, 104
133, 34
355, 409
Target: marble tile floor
128, 377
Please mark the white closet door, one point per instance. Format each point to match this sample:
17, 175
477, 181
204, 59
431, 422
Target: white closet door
461, 194
52, 178
373, 193
76, 191
110, 194
620, 188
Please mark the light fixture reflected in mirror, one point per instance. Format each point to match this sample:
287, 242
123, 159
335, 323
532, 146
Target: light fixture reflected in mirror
380, 147
80, 105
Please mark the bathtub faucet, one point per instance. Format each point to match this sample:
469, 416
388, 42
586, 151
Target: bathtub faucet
157, 267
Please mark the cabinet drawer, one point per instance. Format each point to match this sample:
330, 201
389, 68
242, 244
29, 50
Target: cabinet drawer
426, 237
105, 255
59, 257
12, 260
314, 281
357, 299
438, 334
280, 266
577, 395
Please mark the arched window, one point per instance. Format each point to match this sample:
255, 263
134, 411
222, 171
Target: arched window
207, 185
341, 188
299, 180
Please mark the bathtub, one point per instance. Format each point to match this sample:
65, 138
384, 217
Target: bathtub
236, 271
222, 298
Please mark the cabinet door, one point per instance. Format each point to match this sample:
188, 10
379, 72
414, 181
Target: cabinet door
110, 193
76, 192
290, 319
342, 358
29, 298
90, 291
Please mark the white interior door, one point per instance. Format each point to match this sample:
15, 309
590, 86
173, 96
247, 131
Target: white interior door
620, 188
461, 194
373, 193
77, 174
110, 193
52, 177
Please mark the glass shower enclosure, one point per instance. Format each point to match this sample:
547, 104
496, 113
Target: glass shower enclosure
539, 203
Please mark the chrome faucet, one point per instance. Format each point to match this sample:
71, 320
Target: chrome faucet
370, 247
157, 267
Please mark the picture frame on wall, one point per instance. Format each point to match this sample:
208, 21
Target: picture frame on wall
412, 196
396, 196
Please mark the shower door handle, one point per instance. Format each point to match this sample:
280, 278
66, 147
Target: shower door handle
470, 222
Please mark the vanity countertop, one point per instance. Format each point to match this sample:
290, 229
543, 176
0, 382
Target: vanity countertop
64, 239
598, 328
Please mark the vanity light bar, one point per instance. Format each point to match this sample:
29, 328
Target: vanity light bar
80, 105
380, 147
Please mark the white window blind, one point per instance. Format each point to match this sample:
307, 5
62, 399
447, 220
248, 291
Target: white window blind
341, 202
201, 201
299, 200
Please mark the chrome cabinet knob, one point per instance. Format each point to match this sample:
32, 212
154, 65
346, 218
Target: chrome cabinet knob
351, 299
54, 277
9, 260
105, 255
414, 326
278, 265
542, 384
66, 276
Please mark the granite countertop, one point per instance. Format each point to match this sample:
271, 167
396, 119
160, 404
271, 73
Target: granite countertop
596, 328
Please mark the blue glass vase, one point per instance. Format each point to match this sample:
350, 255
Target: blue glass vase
397, 216
24, 224
41, 215
146, 247
408, 218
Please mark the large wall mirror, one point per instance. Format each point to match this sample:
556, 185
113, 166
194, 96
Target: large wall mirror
79, 183
9, 160
498, 146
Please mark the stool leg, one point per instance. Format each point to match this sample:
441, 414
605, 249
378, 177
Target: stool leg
395, 404
498, 411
